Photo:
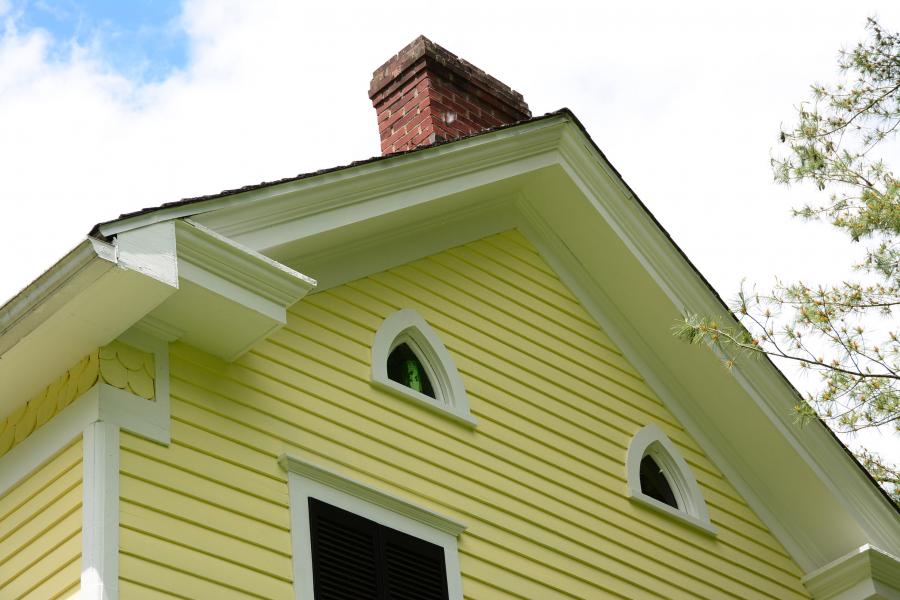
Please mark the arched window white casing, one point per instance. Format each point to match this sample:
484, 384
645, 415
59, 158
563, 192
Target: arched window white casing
408, 327
651, 440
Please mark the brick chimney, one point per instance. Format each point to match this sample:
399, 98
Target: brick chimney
426, 94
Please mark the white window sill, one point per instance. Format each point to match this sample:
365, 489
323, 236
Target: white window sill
639, 497
411, 395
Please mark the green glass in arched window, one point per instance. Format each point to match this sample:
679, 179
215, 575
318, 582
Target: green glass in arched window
404, 367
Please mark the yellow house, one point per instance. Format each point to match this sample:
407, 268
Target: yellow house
443, 373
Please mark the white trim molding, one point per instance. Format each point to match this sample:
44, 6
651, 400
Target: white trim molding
650, 440
864, 574
100, 513
408, 327
307, 480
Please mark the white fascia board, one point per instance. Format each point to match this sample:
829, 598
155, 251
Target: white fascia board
326, 203
255, 209
215, 254
866, 573
772, 393
64, 280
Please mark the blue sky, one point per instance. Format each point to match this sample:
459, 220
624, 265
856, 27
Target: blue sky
141, 39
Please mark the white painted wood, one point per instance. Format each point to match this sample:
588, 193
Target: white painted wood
650, 440
152, 420
229, 297
135, 414
150, 250
238, 214
407, 326
307, 480
100, 513
867, 573
245, 268
384, 249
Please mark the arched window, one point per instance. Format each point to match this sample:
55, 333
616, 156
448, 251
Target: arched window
410, 361
658, 477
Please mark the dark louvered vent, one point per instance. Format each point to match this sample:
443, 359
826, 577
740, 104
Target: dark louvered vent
414, 569
358, 559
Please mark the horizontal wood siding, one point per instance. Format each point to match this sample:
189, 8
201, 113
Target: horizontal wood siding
40, 531
540, 482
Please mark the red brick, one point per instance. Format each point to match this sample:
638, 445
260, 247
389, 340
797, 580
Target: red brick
414, 91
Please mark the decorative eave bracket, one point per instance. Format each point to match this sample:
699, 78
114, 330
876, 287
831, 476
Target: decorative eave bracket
229, 297
864, 574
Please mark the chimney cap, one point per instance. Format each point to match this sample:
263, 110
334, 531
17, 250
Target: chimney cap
422, 51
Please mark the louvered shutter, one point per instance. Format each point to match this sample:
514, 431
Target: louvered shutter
357, 559
345, 554
414, 568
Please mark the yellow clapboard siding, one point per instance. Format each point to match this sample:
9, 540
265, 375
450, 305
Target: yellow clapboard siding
61, 584
337, 434
618, 412
46, 575
177, 577
236, 575
147, 520
588, 346
64, 517
61, 541
133, 590
513, 244
477, 589
470, 341
543, 424
67, 462
40, 530
226, 497
203, 512
211, 466
540, 482
66, 482
692, 456
367, 421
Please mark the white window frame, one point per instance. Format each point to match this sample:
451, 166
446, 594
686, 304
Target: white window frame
307, 480
651, 440
407, 326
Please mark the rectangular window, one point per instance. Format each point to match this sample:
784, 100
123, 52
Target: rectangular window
354, 557
351, 541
